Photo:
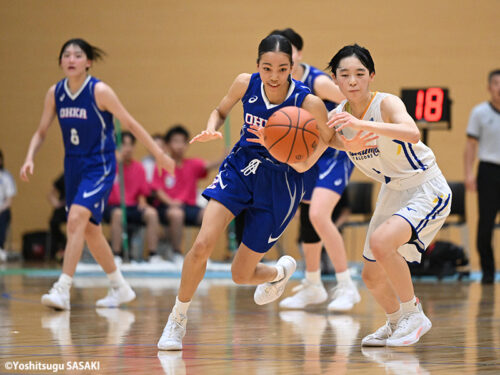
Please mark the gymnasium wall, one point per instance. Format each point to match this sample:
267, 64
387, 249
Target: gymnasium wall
172, 61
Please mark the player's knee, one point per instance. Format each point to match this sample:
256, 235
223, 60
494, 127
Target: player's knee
239, 276
201, 249
379, 247
317, 216
75, 223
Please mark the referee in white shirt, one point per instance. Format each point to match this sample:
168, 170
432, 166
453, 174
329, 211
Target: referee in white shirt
483, 139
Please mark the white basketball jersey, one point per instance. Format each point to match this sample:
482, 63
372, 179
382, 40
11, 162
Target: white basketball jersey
392, 159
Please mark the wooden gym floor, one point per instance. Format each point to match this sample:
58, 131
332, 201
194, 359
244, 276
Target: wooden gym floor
229, 334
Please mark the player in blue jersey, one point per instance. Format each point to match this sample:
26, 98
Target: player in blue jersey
85, 108
251, 179
325, 184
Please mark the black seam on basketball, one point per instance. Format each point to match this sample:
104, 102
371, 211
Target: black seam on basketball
309, 131
290, 126
286, 114
294, 136
304, 140
296, 127
280, 139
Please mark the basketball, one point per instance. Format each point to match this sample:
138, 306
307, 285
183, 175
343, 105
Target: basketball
291, 135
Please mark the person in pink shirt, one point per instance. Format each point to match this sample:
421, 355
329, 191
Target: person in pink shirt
178, 193
137, 190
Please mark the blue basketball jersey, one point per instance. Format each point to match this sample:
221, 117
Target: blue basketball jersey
86, 130
310, 75
88, 136
250, 180
257, 109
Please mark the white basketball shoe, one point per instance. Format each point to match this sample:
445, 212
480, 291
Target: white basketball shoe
116, 296
57, 297
307, 293
270, 291
410, 328
173, 333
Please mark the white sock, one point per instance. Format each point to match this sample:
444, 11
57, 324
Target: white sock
280, 273
410, 307
394, 317
314, 277
116, 278
65, 280
344, 277
180, 307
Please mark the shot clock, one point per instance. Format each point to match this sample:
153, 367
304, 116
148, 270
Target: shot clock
429, 107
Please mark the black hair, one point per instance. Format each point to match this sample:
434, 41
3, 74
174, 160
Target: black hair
493, 73
157, 136
275, 43
128, 135
176, 129
292, 36
361, 53
93, 53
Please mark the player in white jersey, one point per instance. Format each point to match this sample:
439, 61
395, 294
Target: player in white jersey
413, 203
85, 108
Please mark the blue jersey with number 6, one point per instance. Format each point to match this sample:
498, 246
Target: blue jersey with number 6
88, 136
85, 128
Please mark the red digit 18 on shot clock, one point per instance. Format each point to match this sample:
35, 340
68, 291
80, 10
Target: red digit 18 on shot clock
429, 107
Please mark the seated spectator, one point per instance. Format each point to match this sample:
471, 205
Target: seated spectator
136, 191
7, 191
57, 198
149, 162
177, 194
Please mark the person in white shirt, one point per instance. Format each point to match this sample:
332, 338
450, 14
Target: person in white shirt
483, 138
7, 192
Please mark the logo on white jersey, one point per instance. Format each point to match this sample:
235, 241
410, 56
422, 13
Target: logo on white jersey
365, 154
253, 99
251, 168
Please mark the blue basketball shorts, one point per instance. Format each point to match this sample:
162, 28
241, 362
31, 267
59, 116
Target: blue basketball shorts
89, 180
332, 171
268, 192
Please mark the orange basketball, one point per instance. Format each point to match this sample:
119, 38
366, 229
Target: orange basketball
291, 135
